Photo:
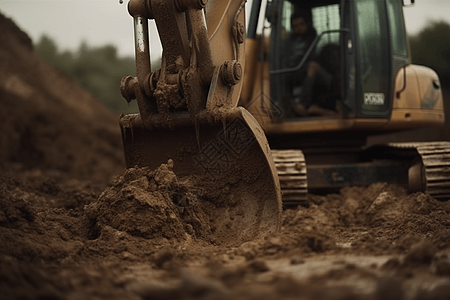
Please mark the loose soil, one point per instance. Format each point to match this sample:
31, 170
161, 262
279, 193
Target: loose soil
75, 225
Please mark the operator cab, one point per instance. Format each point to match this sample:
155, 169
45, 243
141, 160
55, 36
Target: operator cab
296, 53
357, 48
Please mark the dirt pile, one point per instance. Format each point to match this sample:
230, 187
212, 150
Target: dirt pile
384, 218
154, 205
380, 219
48, 121
191, 211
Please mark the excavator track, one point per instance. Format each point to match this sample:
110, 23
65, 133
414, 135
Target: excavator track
432, 173
429, 172
291, 169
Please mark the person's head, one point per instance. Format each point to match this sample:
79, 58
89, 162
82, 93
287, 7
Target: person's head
299, 24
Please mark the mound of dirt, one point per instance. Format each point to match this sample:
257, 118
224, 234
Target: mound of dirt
153, 205
384, 218
380, 219
48, 121
158, 206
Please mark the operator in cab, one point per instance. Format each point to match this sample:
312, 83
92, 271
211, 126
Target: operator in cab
303, 82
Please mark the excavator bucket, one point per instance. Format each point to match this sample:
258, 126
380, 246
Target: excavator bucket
228, 164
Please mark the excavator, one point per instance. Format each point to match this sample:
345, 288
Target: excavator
375, 89
218, 111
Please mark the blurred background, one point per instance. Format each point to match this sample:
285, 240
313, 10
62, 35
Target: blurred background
92, 40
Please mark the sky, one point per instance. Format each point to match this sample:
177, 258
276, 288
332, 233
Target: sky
100, 22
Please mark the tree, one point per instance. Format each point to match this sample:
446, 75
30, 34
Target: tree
98, 69
431, 47
47, 48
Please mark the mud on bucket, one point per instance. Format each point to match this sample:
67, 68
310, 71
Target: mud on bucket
229, 164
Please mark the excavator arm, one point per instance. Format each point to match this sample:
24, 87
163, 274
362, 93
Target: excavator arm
188, 112
202, 65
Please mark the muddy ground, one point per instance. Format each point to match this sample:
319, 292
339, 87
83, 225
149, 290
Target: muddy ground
75, 225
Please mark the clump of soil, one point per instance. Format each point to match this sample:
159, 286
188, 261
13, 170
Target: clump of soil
152, 204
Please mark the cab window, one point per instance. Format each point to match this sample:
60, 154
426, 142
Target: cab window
397, 27
373, 58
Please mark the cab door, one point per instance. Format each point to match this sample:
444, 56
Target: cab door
373, 59
332, 20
